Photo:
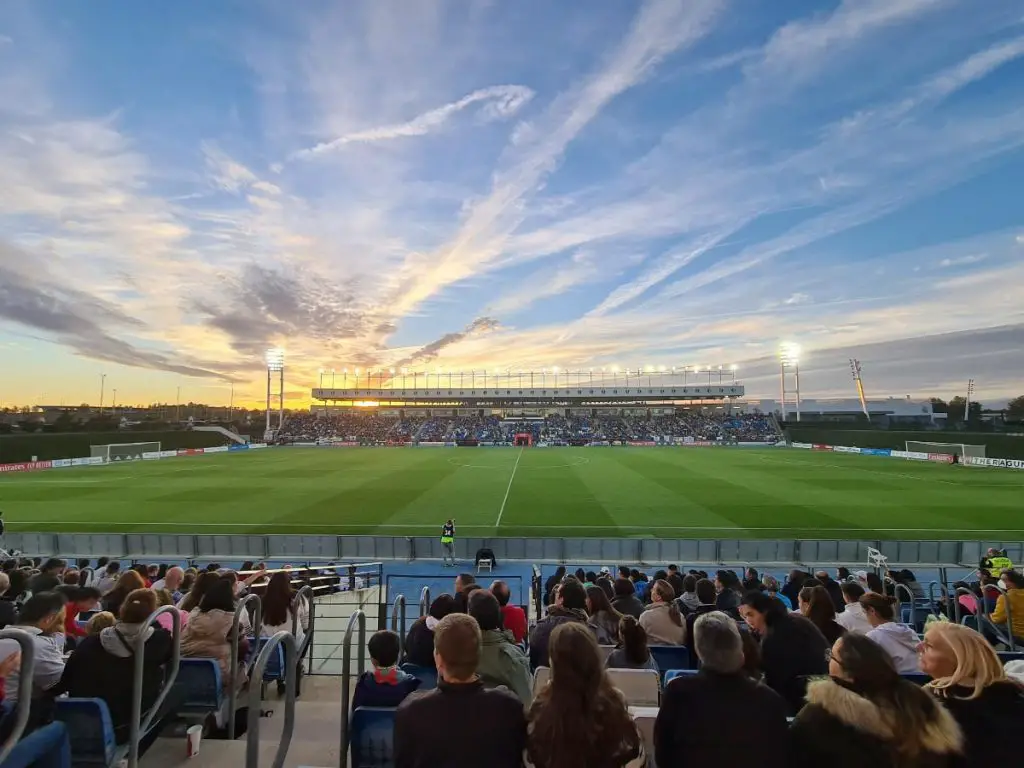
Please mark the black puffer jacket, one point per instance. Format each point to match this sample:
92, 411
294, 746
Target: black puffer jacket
541, 634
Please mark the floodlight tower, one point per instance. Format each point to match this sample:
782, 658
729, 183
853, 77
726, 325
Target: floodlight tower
789, 357
275, 364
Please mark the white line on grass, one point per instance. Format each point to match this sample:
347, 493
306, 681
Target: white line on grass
509, 489
407, 526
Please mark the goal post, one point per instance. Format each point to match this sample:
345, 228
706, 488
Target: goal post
123, 451
949, 449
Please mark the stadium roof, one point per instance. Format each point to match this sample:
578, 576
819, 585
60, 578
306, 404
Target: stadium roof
532, 395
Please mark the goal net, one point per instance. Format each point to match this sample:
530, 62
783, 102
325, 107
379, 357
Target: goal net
124, 451
950, 449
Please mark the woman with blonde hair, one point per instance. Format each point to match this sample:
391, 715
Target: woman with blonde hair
968, 677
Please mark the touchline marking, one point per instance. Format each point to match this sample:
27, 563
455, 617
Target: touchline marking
509, 489
407, 526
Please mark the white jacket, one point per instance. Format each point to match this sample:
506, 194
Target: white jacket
853, 619
901, 642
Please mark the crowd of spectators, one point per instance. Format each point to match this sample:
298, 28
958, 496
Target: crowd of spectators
555, 429
85, 623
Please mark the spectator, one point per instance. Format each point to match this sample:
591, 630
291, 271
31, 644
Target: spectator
792, 648
833, 588
553, 581
386, 685
490, 723
705, 604
99, 622
581, 576
191, 574
49, 576
195, 596
689, 729
513, 618
751, 580
688, 600
728, 587
70, 578
898, 640
280, 609
165, 598
42, 616
464, 584
1013, 583
128, 582
968, 677
604, 619
771, 588
816, 605
626, 602
794, 583
633, 652
842, 574
44, 747
103, 666
662, 620
108, 579
579, 719
208, 634
865, 714
874, 583
171, 581
19, 580
570, 606
419, 643
676, 582
502, 662
8, 611
79, 600
853, 619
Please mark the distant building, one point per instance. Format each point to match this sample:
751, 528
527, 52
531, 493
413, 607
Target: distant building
893, 410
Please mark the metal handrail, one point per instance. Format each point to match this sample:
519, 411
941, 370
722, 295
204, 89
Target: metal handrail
931, 596
958, 611
346, 675
252, 738
257, 627
305, 593
424, 601
137, 727
25, 674
899, 604
83, 572
398, 615
1008, 638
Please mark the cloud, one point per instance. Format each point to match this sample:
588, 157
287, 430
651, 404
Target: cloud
796, 298
962, 261
500, 102
428, 352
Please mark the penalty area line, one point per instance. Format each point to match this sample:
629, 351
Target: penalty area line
509, 489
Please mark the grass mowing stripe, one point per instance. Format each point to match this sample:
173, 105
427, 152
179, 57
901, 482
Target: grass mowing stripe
504, 501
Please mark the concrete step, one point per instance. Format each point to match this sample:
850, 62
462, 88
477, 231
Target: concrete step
171, 753
315, 721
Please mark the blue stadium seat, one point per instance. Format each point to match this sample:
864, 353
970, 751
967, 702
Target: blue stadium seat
1005, 656
89, 729
201, 686
275, 665
672, 674
916, 677
373, 737
670, 657
426, 675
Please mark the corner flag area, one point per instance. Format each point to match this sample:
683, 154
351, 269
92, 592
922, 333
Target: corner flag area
671, 492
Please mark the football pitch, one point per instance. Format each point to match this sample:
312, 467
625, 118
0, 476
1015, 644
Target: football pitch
594, 492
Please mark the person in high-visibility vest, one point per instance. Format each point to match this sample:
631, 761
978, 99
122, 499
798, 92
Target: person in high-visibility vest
448, 542
995, 562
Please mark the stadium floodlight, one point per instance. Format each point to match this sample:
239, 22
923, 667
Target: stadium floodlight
734, 367
789, 353
789, 357
275, 359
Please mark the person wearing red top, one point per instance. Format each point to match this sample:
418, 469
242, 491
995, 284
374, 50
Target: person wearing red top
513, 617
79, 599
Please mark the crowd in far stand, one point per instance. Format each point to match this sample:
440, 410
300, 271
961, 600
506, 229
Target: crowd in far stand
373, 427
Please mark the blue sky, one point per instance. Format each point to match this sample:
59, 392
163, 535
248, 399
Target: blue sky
509, 185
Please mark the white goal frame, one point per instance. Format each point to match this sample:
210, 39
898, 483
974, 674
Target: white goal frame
950, 449
123, 451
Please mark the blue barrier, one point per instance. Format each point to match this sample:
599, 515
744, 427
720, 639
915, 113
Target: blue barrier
875, 452
237, 447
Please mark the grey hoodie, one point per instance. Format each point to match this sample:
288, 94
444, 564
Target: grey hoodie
113, 644
900, 642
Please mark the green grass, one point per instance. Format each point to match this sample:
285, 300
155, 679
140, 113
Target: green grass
664, 492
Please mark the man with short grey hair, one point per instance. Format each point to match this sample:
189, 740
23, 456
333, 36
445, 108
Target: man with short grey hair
695, 725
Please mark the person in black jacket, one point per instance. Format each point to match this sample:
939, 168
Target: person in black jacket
689, 729
8, 611
865, 714
49, 576
834, 589
705, 590
816, 605
459, 724
626, 602
794, 583
969, 679
729, 589
570, 605
103, 666
792, 648
419, 643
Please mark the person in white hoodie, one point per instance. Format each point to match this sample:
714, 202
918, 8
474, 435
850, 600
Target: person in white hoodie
899, 640
853, 619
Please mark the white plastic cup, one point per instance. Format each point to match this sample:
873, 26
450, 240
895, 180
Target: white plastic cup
194, 736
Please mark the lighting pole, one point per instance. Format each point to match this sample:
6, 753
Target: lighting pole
231, 403
177, 406
103, 383
113, 404
970, 394
789, 357
275, 364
